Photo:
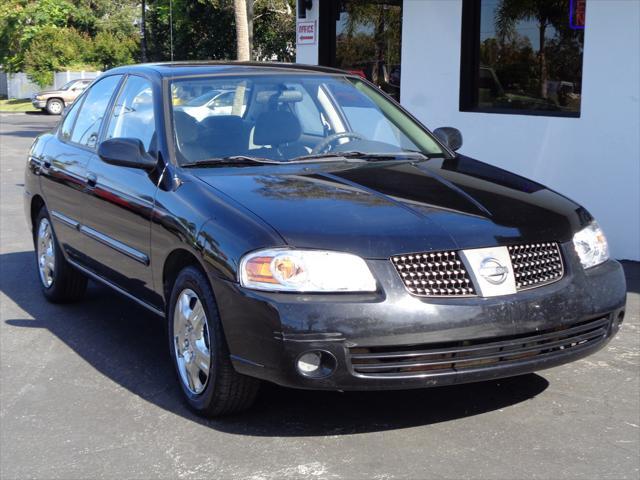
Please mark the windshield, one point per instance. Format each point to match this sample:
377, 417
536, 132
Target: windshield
288, 117
68, 85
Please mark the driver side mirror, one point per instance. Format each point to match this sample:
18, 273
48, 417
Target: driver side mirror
450, 136
126, 152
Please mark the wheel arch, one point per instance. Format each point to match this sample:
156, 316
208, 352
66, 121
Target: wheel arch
37, 202
176, 261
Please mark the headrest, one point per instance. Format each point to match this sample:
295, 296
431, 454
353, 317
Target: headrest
221, 123
279, 96
222, 130
277, 127
186, 126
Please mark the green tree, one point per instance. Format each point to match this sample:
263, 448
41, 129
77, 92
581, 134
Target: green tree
112, 49
23, 21
205, 29
274, 30
52, 49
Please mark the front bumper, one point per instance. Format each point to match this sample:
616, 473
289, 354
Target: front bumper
267, 332
38, 103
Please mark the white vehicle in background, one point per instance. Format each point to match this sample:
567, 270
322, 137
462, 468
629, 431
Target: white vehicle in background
214, 102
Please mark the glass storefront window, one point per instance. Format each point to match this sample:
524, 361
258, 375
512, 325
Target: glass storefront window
369, 39
521, 56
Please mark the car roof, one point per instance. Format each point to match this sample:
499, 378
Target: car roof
183, 69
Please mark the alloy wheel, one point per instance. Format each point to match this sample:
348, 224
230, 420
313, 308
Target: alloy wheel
46, 253
55, 107
191, 341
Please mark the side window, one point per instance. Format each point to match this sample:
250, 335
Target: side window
366, 118
132, 115
69, 120
93, 109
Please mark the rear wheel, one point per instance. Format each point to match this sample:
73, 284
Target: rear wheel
200, 354
60, 282
55, 106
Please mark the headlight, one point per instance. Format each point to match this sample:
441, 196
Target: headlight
305, 271
39, 97
591, 245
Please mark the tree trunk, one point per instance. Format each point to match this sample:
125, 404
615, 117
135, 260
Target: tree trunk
250, 27
543, 62
143, 32
377, 75
242, 30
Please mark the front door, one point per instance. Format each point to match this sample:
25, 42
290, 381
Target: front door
63, 170
120, 204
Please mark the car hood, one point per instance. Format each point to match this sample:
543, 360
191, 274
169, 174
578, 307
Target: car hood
379, 209
51, 92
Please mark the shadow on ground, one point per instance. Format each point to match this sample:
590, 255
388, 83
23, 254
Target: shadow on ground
128, 345
632, 274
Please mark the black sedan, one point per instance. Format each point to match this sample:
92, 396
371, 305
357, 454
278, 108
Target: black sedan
312, 234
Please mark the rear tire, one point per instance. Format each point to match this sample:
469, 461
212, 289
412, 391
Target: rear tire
195, 332
60, 282
55, 106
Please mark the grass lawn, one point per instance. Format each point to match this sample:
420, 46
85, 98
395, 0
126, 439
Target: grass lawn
13, 105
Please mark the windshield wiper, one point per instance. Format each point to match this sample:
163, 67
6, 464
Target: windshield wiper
371, 156
232, 160
322, 157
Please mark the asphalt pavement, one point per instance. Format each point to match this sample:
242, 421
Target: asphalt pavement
88, 391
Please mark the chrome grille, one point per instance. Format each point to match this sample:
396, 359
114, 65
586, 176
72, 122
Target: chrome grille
536, 264
434, 274
452, 357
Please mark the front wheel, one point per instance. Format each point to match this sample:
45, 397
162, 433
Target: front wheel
199, 351
55, 106
60, 282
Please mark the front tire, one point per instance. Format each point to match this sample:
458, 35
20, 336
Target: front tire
210, 384
55, 106
59, 281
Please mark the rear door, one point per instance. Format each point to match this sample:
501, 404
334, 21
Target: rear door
120, 204
64, 165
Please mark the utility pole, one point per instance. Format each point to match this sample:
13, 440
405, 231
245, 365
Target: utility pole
143, 32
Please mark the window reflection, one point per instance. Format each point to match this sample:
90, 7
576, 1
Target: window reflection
530, 57
368, 41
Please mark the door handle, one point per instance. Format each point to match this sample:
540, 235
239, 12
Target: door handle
92, 180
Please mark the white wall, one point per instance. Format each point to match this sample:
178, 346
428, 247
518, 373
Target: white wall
308, 54
18, 84
594, 159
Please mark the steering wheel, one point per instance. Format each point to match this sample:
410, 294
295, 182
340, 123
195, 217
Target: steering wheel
324, 144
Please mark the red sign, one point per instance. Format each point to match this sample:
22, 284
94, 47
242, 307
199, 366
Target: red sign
306, 33
577, 14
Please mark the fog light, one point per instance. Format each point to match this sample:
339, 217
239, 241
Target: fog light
309, 362
316, 364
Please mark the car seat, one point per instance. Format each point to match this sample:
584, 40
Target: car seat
187, 134
278, 132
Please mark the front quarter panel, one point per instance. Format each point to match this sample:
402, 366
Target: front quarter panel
197, 218
32, 172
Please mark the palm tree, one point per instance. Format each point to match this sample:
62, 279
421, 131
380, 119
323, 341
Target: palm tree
242, 30
545, 12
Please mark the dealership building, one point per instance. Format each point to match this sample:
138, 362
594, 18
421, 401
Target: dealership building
551, 92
